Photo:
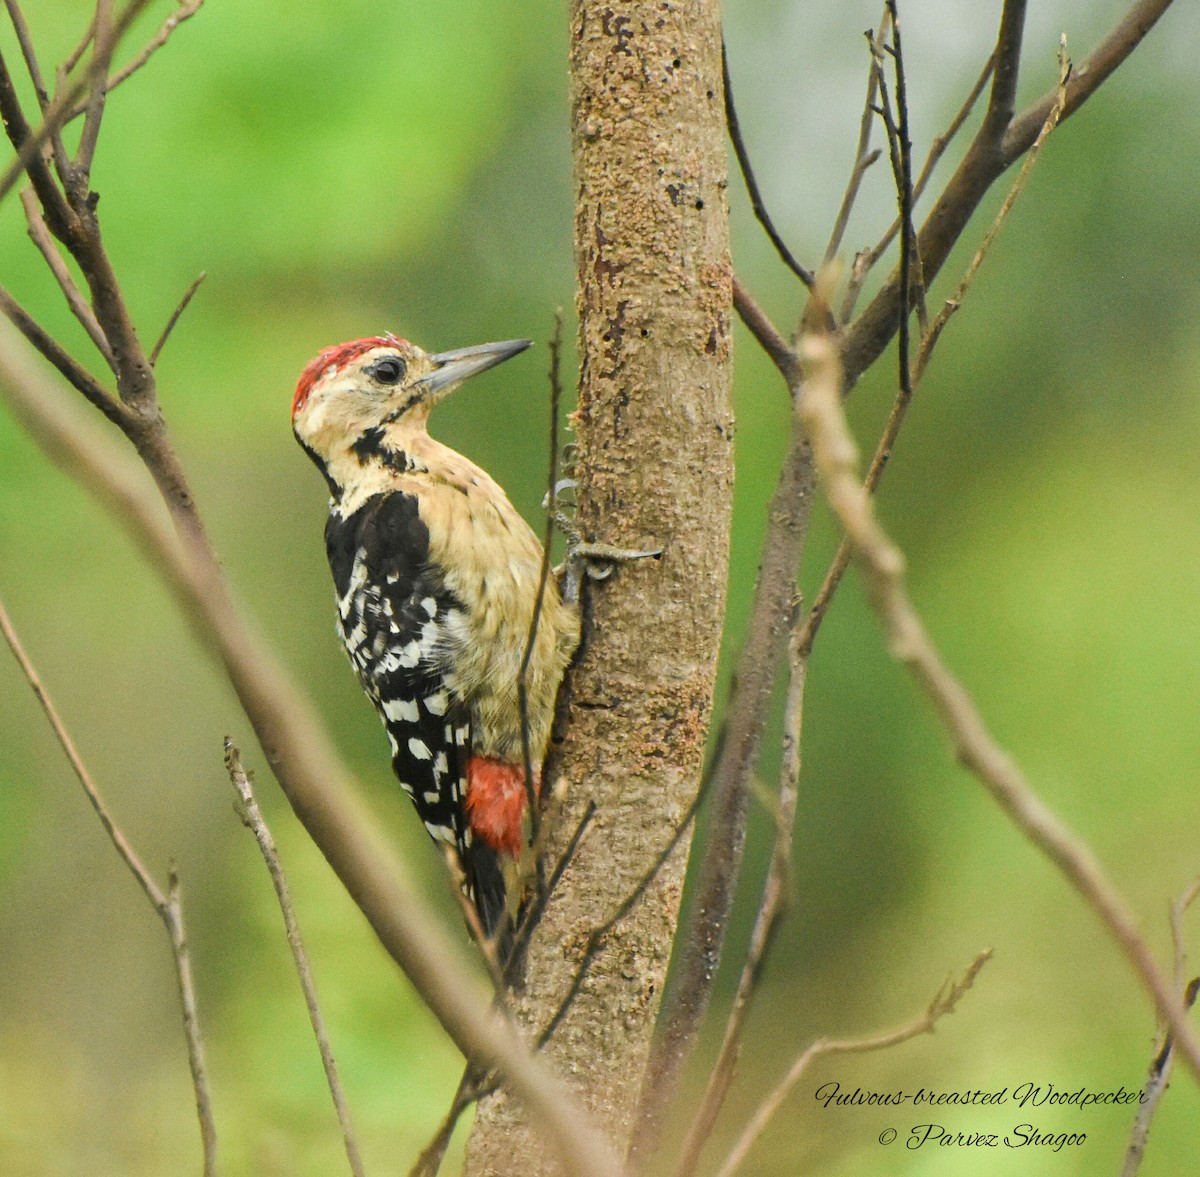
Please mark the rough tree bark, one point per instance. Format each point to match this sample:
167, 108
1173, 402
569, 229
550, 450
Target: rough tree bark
655, 466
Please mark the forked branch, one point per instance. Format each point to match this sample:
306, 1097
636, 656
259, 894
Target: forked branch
944, 1002
167, 906
883, 569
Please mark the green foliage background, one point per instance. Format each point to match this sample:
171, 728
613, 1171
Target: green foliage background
340, 169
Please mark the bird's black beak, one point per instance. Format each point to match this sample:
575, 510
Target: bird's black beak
453, 367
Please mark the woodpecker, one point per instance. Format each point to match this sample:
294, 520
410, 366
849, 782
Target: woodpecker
437, 578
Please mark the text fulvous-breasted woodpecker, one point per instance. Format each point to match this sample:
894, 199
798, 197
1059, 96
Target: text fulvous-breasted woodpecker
437, 579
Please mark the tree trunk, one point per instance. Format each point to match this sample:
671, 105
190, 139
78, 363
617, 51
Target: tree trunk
655, 467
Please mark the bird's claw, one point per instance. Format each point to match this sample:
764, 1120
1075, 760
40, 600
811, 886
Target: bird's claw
560, 495
594, 561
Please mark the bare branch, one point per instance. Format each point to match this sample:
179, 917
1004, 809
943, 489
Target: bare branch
938, 147
770, 910
532, 915
457, 879
911, 270
1154, 1090
144, 879
172, 916
103, 44
29, 143
1164, 1054
702, 930
597, 935
864, 157
993, 150
1179, 908
40, 236
532, 793
865, 261
1006, 68
186, 10
70, 368
883, 568
21, 28
899, 152
296, 746
58, 151
943, 1003
253, 818
28, 146
934, 331
891, 430
188, 295
756, 200
470, 1088
781, 353
1091, 73
167, 907
76, 55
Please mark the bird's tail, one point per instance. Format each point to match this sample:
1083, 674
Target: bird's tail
489, 893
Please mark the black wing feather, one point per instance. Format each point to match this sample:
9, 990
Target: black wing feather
393, 609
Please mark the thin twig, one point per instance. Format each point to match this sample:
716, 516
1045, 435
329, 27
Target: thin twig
756, 200
29, 142
938, 147
532, 915
40, 235
457, 879
596, 937
1179, 908
252, 817
864, 156
910, 261
470, 1089
702, 930
21, 28
185, 11
70, 368
891, 430
29, 159
1007, 65
76, 55
167, 907
103, 45
172, 916
996, 146
771, 908
756, 321
934, 331
883, 570
1163, 1060
865, 262
841, 559
900, 154
188, 295
144, 879
943, 1003
531, 791
474, 1085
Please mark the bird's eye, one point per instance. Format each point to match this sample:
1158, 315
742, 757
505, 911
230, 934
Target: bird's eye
389, 370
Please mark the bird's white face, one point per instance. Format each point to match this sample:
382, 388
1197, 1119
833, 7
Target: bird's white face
376, 382
352, 387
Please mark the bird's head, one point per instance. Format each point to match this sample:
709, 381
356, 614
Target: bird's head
367, 385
